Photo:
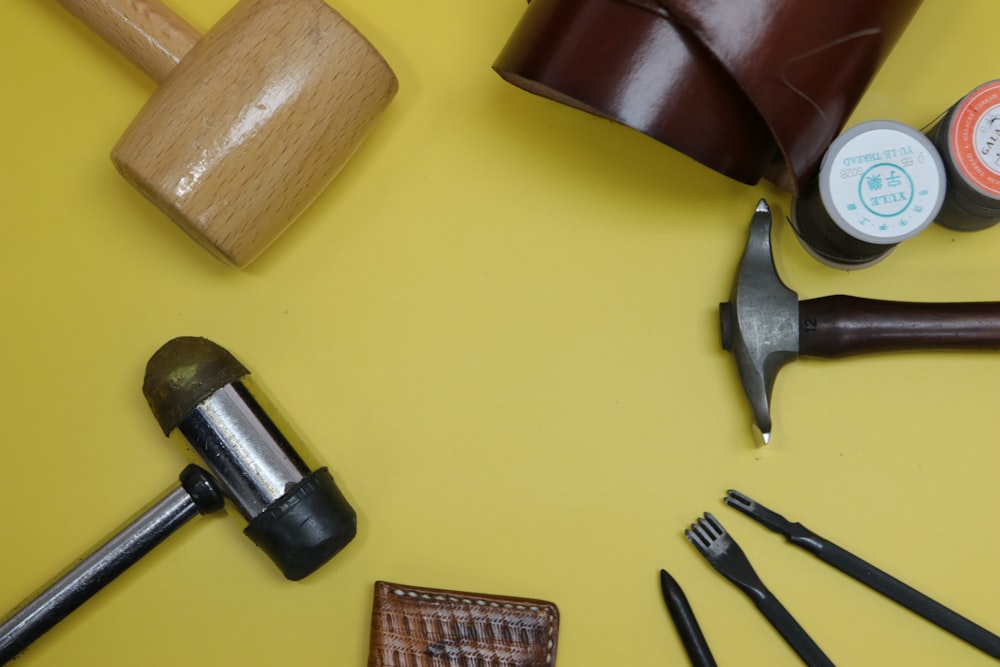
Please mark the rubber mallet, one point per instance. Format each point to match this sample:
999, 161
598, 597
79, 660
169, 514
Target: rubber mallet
250, 122
294, 512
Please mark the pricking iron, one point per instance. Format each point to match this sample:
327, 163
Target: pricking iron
868, 574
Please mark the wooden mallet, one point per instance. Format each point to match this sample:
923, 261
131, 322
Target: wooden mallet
251, 121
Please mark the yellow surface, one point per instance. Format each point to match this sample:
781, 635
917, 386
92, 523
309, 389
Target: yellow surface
498, 328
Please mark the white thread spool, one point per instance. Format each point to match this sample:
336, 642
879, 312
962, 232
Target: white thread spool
880, 183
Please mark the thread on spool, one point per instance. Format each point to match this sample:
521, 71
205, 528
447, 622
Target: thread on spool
880, 183
825, 241
968, 139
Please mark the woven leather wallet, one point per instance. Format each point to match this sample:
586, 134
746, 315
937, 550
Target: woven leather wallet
427, 627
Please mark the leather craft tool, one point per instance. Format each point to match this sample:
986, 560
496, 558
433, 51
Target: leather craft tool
880, 183
868, 574
968, 138
413, 626
685, 621
725, 555
295, 514
250, 122
765, 326
751, 88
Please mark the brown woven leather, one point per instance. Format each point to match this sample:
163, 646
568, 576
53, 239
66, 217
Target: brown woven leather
427, 627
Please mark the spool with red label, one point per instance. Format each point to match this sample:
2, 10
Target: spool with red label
968, 138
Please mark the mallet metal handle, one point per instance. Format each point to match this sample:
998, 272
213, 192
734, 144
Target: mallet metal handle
196, 494
146, 32
838, 326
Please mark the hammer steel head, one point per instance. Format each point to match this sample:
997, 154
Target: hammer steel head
760, 323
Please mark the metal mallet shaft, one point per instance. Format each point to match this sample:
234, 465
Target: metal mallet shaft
197, 493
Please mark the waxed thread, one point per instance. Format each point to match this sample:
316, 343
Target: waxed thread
965, 208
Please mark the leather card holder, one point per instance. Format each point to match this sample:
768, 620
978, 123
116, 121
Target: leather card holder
427, 627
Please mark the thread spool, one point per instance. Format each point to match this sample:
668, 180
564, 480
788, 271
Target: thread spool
968, 139
880, 183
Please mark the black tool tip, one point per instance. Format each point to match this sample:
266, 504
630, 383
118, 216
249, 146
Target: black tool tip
685, 622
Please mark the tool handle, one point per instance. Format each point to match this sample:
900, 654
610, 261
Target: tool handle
146, 32
687, 625
36, 616
790, 629
908, 597
838, 326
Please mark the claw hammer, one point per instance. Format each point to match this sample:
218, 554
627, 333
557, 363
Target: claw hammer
765, 325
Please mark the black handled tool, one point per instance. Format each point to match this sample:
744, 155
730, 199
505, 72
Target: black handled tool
724, 554
687, 625
868, 574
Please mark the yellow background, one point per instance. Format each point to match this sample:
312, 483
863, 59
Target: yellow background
499, 330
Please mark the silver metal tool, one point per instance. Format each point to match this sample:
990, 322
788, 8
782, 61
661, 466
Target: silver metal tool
765, 326
760, 322
724, 554
868, 574
197, 493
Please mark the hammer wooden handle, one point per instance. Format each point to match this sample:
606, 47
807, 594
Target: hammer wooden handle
151, 36
838, 326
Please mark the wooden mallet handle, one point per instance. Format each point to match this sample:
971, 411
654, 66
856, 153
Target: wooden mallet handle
150, 35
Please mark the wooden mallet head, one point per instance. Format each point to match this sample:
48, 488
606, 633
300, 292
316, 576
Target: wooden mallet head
251, 121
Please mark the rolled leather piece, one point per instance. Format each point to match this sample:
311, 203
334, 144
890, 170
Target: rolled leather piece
750, 88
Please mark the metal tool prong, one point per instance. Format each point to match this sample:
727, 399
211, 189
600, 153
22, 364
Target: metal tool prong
763, 515
739, 500
793, 531
869, 575
725, 555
